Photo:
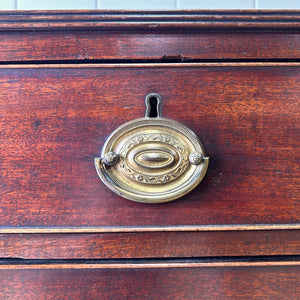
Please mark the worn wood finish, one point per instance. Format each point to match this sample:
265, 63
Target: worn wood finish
143, 264
55, 120
151, 20
88, 46
134, 229
149, 245
151, 35
264, 282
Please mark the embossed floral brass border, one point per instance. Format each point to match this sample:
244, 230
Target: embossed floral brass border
152, 159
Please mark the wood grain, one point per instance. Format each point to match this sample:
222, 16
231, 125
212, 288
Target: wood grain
269, 282
150, 20
54, 122
143, 264
149, 35
134, 229
88, 46
149, 245
69, 78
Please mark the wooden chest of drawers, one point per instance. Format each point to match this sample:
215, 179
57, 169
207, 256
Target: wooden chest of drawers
68, 79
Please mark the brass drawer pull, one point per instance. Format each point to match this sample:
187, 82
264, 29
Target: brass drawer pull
152, 159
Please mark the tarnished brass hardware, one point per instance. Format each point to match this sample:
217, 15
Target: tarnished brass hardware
110, 159
152, 159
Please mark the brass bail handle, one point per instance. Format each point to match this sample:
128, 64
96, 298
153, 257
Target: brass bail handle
152, 159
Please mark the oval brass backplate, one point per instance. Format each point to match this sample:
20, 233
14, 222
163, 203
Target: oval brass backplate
152, 159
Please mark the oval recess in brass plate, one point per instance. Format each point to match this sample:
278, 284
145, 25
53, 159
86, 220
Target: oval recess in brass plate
152, 159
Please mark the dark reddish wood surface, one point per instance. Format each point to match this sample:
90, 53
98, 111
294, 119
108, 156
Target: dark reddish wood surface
129, 35
55, 120
86, 45
149, 245
208, 20
156, 283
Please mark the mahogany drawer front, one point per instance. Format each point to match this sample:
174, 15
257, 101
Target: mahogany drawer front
139, 245
55, 120
92, 46
117, 281
134, 35
68, 79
